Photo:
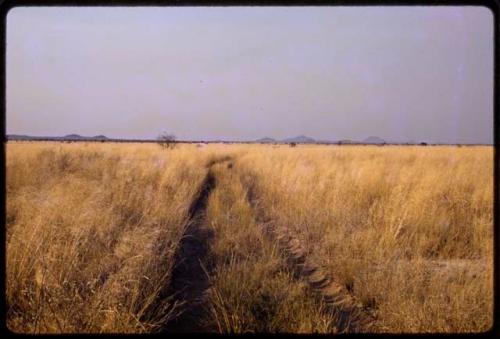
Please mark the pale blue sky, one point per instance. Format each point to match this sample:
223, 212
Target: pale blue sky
241, 73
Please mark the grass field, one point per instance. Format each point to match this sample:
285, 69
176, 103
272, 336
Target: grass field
248, 238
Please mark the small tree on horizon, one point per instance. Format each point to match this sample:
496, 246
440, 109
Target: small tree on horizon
166, 140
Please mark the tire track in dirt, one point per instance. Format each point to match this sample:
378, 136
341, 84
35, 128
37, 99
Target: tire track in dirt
349, 312
190, 281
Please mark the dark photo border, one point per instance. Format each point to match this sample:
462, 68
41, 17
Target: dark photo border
494, 6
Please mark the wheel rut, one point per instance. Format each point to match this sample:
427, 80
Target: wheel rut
190, 282
190, 276
350, 314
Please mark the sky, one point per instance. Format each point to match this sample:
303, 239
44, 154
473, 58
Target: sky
243, 73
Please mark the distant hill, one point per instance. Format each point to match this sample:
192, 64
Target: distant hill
80, 137
265, 140
66, 137
301, 139
73, 137
19, 137
374, 140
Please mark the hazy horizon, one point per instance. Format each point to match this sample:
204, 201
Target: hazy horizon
244, 73
285, 140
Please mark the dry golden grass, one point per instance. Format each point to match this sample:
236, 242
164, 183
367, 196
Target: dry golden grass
253, 290
92, 230
408, 229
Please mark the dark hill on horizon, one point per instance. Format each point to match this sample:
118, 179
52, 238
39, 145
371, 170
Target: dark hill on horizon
66, 137
266, 140
302, 139
80, 137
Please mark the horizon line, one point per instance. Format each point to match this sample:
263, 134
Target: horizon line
103, 138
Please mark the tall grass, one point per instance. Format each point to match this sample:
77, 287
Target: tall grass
408, 229
253, 289
91, 231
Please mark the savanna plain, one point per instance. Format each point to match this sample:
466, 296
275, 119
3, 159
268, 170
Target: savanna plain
232, 238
